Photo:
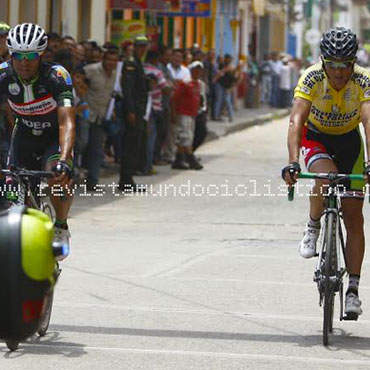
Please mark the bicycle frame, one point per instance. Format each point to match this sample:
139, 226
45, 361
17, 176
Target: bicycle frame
23, 178
331, 264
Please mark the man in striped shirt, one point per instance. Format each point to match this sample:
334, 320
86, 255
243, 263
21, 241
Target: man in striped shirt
155, 122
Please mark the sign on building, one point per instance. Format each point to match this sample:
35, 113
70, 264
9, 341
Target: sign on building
126, 30
141, 4
191, 8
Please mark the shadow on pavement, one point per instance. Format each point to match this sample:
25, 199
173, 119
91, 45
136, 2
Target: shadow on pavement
51, 344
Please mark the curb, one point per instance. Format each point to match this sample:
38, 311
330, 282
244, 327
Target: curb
249, 122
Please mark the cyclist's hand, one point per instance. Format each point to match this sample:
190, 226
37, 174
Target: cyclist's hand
63, 172
367, 173
290, 173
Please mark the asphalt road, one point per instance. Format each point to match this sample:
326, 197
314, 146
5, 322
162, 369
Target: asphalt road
203, 272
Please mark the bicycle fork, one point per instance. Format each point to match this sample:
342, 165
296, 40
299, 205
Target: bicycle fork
319, 275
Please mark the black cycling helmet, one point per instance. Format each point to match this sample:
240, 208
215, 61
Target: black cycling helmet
339, 43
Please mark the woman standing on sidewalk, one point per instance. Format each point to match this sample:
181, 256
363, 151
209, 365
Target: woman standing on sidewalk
225, 80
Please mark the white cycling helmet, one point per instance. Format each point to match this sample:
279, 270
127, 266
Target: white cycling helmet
27, 37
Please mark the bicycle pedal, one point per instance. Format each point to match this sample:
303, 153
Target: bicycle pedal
351, 317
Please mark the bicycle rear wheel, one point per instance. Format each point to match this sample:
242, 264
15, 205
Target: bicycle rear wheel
329, 272
49, 210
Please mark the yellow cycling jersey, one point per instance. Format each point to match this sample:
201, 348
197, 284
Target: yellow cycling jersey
333, 112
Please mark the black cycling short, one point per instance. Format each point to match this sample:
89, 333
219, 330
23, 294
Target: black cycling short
346, 150
30, 151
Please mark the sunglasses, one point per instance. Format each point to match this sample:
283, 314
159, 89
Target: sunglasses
338, 65
28, 56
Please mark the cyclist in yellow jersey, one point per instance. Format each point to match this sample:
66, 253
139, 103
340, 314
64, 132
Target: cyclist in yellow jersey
330, 101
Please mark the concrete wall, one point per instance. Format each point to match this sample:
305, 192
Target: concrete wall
70, 17
226, 11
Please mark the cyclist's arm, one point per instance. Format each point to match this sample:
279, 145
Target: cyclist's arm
365, 118
298, 117
66, 118
9, 117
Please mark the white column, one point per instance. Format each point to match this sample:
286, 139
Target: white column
98, 12
14, 12
70, 18
42, 12
299, 27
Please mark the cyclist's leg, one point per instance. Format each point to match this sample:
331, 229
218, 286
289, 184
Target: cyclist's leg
61, 199
318, 190
350, 159
355, 243
317, 159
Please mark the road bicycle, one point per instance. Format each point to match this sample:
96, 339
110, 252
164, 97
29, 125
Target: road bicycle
24, 188
331, 263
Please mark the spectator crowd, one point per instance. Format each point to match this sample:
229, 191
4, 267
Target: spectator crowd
139, 107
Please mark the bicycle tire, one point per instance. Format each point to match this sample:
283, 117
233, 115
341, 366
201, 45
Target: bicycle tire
48, 209
46, 313
12, 345
328, 272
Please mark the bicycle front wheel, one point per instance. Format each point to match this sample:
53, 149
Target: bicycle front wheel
46, 313
329, 273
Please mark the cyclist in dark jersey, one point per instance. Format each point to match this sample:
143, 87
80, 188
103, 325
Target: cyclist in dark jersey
40, 97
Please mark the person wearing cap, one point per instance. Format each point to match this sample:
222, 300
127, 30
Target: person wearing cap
135, 97
186, 103
4, 52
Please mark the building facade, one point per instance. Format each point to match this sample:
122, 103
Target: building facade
81, 19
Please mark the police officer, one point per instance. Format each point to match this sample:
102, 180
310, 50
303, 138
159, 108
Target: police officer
135, 96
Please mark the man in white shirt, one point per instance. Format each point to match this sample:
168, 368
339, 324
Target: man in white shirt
285, 84
178, 71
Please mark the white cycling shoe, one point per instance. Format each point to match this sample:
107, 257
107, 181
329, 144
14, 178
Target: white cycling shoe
353, 304
307, 247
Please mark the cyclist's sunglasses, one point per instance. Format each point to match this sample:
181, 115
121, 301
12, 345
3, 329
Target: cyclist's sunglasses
338, 65
28, 56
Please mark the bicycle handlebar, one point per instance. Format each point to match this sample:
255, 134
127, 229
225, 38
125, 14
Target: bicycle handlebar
332, 177
26, 173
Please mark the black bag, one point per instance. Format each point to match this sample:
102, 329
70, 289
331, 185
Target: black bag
27, 267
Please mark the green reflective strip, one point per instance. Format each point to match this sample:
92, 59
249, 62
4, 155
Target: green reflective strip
37, 234
359, 167
56, 157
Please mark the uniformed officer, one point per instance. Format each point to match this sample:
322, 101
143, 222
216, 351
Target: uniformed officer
135, 96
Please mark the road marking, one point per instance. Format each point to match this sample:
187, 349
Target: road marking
248, 356
192, 312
